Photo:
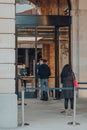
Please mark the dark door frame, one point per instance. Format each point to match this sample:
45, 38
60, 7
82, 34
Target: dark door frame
42, 20
47, 20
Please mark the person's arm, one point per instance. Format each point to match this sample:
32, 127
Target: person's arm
49, 72
62, 78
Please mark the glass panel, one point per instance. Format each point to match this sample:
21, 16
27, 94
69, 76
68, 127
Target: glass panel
7, 56
7, 71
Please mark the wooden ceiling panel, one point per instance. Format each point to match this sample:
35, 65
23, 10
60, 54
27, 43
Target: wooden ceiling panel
50, 7
48, 3
47, 7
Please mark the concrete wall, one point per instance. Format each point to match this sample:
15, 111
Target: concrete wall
79, 41
83, 45
8, 99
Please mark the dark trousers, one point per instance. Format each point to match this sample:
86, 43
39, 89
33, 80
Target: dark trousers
67, 101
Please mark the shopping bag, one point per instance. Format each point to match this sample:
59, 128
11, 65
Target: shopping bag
76, 85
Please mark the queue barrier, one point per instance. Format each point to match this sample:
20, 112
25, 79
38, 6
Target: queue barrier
74, 110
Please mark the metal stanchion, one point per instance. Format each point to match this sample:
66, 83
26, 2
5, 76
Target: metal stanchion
23, 108
74, 111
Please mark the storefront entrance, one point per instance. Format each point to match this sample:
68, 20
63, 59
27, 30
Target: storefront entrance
40, 36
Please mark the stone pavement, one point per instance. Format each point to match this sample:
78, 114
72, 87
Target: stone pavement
47, 115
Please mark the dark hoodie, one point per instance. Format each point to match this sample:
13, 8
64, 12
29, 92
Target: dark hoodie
44, 71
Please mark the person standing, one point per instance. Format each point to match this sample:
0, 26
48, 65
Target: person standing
39, 62
44, 73
67, 81
37, 69
23, 72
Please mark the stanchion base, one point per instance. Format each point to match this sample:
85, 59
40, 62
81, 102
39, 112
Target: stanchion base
21, 104
26, 124
71, 123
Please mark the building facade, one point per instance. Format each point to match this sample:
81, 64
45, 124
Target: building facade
8, 98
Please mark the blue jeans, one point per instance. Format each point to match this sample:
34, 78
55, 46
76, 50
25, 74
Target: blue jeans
44, 84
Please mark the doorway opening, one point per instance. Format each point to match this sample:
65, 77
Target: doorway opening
42, 37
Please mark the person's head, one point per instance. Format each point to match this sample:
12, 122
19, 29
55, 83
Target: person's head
37, 61
41, 61
44, 61
66, 69
23, 66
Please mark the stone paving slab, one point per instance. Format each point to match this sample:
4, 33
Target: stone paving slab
47, 115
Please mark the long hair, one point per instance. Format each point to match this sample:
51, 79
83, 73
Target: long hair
67, 70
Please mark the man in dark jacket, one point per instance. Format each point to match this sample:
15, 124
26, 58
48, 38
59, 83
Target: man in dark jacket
44, 73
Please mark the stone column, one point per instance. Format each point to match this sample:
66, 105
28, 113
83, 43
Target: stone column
83, 45
8, 98
79, 42
75, 37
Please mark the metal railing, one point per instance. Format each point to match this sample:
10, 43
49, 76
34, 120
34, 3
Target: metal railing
75, 92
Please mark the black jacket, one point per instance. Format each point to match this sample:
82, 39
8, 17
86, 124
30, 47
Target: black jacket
68, 83
44, 71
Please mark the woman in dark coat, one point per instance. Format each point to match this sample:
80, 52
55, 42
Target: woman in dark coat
67, 81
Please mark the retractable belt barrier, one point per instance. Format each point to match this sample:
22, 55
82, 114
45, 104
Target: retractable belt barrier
75, 91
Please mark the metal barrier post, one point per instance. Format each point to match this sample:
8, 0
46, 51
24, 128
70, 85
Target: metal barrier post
74, 111
23, 90
22, 106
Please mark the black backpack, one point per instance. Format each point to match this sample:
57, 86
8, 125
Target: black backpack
45, 96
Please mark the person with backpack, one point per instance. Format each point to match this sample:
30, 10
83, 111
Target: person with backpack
44, 73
